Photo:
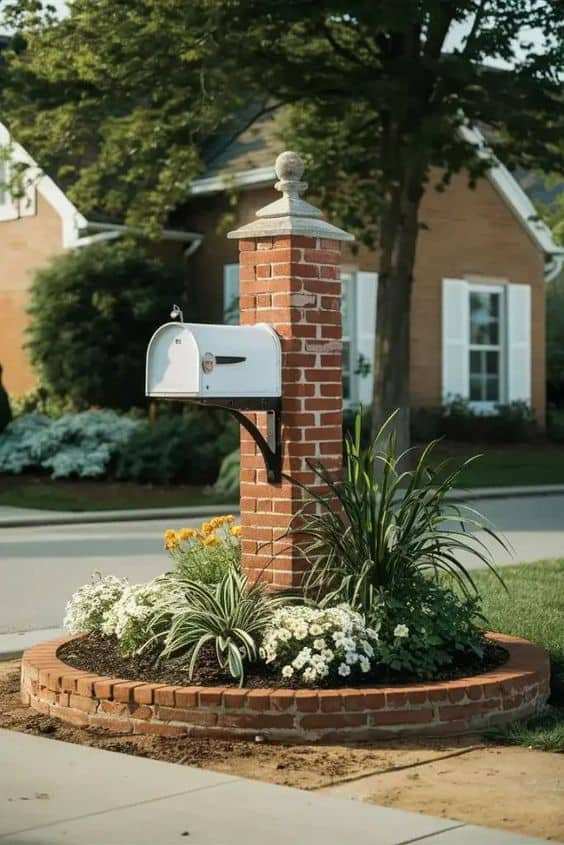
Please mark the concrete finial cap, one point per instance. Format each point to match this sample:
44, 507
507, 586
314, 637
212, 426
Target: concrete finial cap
289, 167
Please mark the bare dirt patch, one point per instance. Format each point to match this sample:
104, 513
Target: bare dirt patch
509, 788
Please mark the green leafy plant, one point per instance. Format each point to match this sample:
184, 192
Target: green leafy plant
379, 526
425, 626
232, 615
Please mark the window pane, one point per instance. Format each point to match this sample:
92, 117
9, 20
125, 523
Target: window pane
492, 389
492, 362
475, 361
484, 318
475, 388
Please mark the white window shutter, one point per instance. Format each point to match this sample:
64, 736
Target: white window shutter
231, 293
456, 337
519, 343
366, 297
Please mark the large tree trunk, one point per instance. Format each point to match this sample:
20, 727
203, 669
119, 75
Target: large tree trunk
398, 241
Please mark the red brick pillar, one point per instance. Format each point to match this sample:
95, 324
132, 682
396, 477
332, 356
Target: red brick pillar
290, 278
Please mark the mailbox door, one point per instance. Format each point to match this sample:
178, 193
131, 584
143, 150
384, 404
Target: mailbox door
238, 361
173, 363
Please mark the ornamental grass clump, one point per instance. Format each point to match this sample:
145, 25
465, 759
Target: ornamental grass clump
230, 616
89, 605
373, 531
208, 553
314, 646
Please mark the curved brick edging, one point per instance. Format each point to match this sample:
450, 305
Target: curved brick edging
516, 690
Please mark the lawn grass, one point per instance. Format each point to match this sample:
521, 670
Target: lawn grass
506, 466
84, 495
532, 608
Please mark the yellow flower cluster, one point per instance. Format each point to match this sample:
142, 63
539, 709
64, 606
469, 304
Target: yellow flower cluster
171, 539
216, 523
206, 534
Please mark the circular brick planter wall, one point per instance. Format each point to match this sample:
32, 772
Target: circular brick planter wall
517, 689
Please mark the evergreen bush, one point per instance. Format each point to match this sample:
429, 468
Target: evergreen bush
93, 311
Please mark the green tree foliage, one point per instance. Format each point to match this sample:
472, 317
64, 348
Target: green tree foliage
117, 99
121, 99
92, 312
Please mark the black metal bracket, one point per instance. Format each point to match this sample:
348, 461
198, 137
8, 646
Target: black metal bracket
270, 447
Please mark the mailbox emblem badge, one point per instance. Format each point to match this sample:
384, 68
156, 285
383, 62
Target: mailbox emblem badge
208, 362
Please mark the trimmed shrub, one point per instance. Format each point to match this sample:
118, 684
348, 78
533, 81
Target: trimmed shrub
93, 311
180, 448
457, 420
81, 445
18, 443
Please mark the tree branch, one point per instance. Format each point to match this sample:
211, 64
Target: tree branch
474, 32
340, 50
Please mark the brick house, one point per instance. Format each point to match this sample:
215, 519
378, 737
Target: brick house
478, 309
33, 230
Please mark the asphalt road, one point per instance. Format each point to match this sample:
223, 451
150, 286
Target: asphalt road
40, 567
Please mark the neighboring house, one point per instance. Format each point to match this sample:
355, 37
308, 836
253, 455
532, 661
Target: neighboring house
478, 310
32, 231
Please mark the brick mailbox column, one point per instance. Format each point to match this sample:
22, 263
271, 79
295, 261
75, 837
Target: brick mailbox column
290, 278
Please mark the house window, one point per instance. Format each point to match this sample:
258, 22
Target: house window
487, 345
358, 322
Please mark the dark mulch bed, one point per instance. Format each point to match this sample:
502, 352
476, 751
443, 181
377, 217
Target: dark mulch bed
99, 654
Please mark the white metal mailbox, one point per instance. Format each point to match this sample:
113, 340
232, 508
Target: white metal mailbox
202, 362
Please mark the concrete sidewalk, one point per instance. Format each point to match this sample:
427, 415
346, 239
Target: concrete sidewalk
22, 517
53, 792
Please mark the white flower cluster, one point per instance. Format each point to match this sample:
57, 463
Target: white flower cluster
88, 607
314, 644
129, 618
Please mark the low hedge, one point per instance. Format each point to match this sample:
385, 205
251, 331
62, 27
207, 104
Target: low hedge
183, 447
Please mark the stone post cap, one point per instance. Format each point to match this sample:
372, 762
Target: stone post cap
290, 215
